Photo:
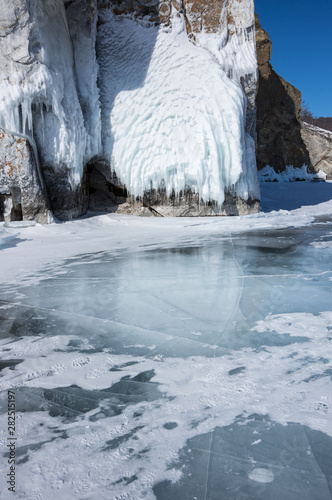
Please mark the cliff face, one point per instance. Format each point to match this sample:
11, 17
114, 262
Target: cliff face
43, 87
84, 130
279, 139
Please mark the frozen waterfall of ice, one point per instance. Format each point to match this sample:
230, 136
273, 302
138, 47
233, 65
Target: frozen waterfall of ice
171, 116
41, 99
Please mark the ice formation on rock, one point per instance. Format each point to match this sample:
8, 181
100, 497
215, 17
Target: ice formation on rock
171, 115
171, 106
38, 87
48, 88
185, 120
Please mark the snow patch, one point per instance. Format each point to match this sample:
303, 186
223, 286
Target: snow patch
261, 475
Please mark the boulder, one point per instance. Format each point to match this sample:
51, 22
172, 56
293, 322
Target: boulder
319, 145
22, 191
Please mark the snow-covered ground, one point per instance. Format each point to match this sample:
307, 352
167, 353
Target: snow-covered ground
171, 358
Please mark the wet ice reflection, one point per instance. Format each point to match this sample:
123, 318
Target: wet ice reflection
202, 295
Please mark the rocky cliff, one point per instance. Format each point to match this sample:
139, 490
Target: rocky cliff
279, 139
167, 127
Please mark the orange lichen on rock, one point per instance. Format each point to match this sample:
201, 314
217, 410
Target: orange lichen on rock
15, 155
230, 24
21, 150
200, 14
10, 169
204, 15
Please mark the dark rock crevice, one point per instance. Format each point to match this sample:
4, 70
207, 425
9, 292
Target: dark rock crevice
106, 193
66, 202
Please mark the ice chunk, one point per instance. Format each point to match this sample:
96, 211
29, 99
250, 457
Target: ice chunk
20, 223
290, 174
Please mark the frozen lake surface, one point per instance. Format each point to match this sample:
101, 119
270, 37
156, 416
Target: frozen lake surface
170, 359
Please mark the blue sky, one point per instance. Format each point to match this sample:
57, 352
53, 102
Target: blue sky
301, 34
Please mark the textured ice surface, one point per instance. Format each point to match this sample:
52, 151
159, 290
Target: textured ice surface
189, 362
171, 116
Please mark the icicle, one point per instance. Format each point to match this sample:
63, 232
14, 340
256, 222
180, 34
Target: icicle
24, 124
30, 121
25, 128
19, 118
42, 120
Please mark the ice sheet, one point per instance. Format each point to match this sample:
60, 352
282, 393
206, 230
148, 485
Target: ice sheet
203, 354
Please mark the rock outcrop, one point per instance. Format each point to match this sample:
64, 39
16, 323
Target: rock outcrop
319, 144
279, 139
22, 192
321, 122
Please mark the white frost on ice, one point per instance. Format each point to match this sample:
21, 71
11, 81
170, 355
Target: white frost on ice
288, 382
193, 390
261, 475
298, 324
325, 242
